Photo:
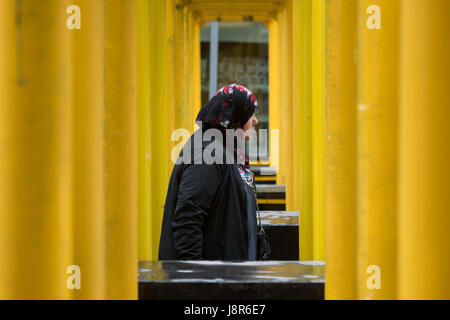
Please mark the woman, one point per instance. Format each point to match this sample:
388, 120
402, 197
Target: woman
210, 210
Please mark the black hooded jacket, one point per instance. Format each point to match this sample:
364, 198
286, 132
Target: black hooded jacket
207, 214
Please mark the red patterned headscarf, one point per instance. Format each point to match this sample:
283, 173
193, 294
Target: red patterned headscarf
230, 108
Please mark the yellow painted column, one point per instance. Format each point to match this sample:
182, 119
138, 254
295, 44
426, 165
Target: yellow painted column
144, 131
285, 65
424, 139
287, 112
158, 121
170, 77
340, 149
197, 81
377, 149
35, 139
88, 153
185, 66
193, 66
178, 48
303, 126
318, 110
274, 96
191, 63
281, 179
120, 175
181, 73
296, 94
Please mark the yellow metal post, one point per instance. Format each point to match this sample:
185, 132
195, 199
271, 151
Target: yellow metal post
182, 75
179, 72
287, 114
153, 151
88, 158
158, 120
120, 150
318, 108
296, 98
170, 78
196, 72
377, 150
274, 102
424, 139
340, 149
303, 128
35, 139
144, 131
285, 65
281, 174
192, 38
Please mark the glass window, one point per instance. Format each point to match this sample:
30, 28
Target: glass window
243, 59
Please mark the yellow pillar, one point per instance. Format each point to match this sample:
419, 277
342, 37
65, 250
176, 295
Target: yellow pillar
296, 98
144, 131
196, 72
158, 121
35, 139
318, 108
183, 72
303, 127
274, 96
377, 150
179, 67
340, 149
184, 69
88, 156
120, 150
281, 179
285, 65
192, 55
424, 139
170, 78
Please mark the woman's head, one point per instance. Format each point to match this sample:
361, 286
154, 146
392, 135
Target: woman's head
232, 107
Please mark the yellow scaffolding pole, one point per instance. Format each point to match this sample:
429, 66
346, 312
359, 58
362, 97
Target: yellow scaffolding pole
88, 156
377, 152
35, 133
120, 150
424, 139
340, 149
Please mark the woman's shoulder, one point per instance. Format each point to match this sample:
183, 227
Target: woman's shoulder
200, 151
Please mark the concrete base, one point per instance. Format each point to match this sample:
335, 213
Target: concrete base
217, 280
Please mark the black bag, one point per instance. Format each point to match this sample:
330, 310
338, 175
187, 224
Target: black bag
262, 240
262, 243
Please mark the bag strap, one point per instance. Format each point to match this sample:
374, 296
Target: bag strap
256, 201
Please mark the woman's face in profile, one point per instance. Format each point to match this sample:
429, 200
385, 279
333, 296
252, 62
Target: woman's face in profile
250, 125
